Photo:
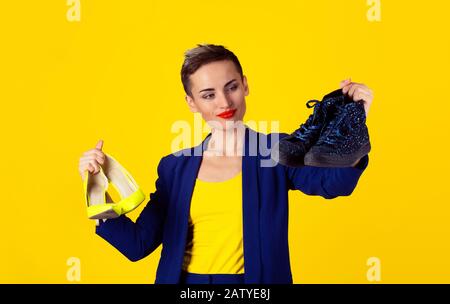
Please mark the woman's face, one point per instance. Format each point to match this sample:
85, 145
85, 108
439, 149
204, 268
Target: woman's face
218, 94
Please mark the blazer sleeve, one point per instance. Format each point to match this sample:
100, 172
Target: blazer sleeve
326, 182
138, 240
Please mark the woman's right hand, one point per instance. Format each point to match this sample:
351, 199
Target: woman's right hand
91, 160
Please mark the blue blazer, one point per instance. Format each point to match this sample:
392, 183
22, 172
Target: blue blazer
164, 220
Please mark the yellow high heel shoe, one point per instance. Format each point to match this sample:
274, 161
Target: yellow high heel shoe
131, 194
95, 187
99, 204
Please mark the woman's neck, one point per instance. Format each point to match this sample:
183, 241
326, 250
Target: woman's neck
228, 142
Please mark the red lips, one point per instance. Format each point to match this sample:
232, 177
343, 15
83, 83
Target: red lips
227, 114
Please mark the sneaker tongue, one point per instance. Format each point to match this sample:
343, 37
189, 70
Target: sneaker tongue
335, 124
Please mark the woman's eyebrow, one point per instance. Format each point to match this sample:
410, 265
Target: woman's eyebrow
209, 89
212, 89
229, 82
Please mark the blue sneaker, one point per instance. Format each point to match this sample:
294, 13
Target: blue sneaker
344, 140
291, 150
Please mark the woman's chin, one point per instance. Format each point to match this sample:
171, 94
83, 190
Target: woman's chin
230, 124
225, 123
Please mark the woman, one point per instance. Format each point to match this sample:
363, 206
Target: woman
222, 216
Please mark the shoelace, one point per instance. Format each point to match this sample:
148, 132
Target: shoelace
304, 132
332, 133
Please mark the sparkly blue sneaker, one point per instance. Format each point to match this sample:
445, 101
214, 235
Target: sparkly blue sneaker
344, 140
291, 150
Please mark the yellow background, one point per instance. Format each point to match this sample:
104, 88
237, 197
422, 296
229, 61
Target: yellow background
115, 75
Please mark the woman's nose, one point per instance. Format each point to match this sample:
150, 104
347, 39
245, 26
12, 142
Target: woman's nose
224, 102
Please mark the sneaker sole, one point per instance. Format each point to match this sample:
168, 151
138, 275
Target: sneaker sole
335, 161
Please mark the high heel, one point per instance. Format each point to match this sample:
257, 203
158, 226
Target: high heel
99, 204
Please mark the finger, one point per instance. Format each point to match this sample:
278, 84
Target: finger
83, 165
352, 89
359, 90
92, 168
94, 152
362, 86
365, 100
86, 159
345, 82
87, 166
95, 166
85, 162
364, 89
361, 96
99, 145
346, 88
100, 160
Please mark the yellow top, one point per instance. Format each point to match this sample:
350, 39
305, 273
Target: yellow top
214, 244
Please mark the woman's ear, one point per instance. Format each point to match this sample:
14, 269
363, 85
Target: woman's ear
246, 89
191, 104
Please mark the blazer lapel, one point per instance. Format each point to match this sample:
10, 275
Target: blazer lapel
250, 202
187, 184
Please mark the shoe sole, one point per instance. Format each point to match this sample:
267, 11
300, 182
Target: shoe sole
335, 161
107, 214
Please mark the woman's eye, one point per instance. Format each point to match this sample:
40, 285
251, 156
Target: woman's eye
208, 96
233, 88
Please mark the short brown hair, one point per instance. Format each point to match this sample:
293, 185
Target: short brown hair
201, 55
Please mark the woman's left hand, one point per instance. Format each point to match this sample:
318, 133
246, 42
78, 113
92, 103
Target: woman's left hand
358, 92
